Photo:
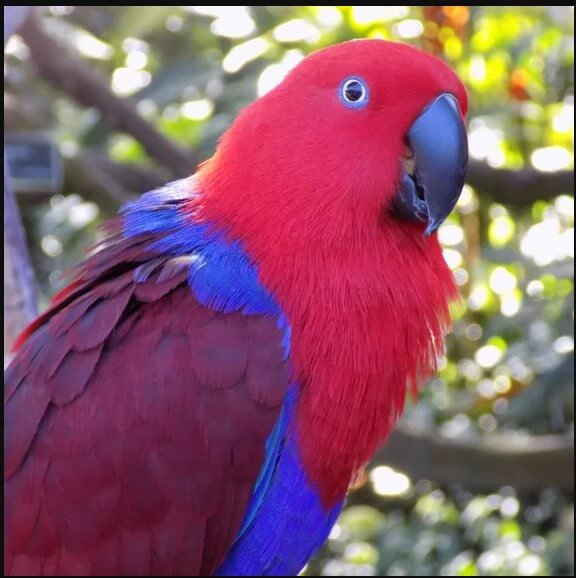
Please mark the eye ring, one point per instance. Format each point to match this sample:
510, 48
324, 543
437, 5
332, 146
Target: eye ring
353, 92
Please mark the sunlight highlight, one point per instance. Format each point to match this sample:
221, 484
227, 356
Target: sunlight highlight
244, 53
389, 482
297, 30
136, 60
545, 242
328, 16
502, 281
453, 258
369, 14
488, 356
234, 22
478, 297
92, 47
486, 143
408, 28
126, 81
197, 109
551, 159
563, 121
450, 234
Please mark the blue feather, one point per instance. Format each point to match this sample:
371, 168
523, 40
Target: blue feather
273, 447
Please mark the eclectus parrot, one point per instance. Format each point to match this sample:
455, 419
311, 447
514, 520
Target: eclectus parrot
199, 398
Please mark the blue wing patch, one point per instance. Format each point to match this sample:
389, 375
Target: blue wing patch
286, 523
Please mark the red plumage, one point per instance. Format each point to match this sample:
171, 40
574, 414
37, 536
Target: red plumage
140, 475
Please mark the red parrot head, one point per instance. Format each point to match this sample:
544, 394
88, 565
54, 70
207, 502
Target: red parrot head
355, 129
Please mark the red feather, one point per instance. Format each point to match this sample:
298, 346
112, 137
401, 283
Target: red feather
135, 423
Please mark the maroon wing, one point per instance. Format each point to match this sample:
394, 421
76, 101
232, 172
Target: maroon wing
135, 424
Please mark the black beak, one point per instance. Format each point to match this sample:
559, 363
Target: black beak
440, 147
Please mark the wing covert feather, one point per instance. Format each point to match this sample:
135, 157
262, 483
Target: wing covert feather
136, 422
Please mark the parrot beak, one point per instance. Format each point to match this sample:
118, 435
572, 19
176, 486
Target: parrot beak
434, 167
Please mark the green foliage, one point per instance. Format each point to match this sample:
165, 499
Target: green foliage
508, 365
433, 533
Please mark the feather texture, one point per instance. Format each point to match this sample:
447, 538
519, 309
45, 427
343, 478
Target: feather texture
136, 417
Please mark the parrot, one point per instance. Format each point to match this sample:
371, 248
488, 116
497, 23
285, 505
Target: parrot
200, 397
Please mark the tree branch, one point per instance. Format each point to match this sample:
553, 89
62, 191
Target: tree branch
530, 463
73, 76
518, 188
512, 188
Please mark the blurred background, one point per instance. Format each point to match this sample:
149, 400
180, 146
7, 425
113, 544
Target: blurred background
105, 102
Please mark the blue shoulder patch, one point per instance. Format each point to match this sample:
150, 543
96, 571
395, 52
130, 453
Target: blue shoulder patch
221, 274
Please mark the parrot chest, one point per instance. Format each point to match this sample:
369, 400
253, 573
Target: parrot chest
365, 327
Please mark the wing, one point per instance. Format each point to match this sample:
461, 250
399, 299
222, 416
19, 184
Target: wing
135, 422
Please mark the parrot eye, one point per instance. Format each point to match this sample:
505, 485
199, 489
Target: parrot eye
353, 93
